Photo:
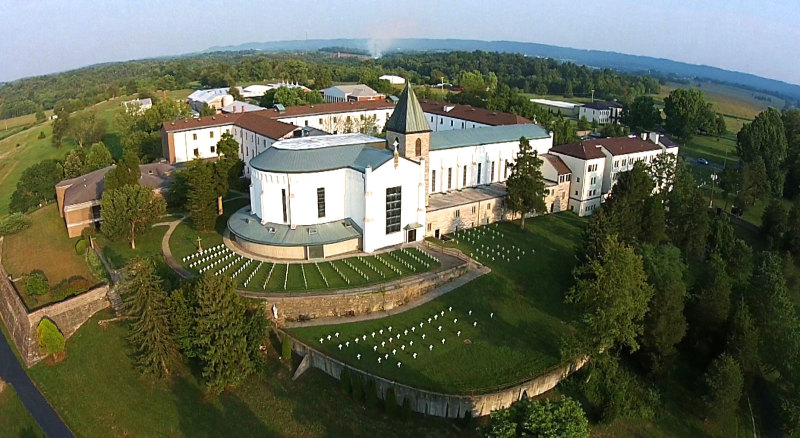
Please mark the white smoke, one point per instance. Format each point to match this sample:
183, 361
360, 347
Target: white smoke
377, 47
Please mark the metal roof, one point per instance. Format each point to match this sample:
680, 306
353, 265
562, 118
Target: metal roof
355, 155
248, 227
408, 116
457, 138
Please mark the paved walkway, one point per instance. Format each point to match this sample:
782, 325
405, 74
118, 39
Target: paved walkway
472, 274
165, 249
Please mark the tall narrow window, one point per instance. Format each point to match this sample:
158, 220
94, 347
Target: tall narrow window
393, 204
464, 177
479, 173
283, 199
211, 134
321, 202
418, 148
433, 181
505, 170
449, 178
491, 174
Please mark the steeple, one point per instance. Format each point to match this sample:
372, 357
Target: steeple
408, 117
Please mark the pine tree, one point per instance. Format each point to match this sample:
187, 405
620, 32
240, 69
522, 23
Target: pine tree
147, 303
526, 185
221, 333
202, 198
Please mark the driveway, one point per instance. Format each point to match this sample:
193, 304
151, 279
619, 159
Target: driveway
12, 372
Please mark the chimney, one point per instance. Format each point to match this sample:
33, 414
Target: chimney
644, 136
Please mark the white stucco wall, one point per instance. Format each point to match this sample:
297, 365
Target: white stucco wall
457, 158
337, 123
580, 198
445, 123
202, 140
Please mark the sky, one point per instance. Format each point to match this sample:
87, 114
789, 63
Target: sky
46, 36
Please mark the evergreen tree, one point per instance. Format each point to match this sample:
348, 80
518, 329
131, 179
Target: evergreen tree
73, 164
641, 115
687, 217
743, 340
97, 157
765, 140
129, 211
792, 235
664, 324
126, 172
221, 333
182, 319
147, 303
525, 184
724, 382
51, 340
714, 295
201, 197
773, 224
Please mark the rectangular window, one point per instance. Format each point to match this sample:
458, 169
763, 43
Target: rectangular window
321, 202
479, 173
505, 170
458, 213
213, 149
194, 136
451, 123
473, 209
393, 203
433, 181
464, 177
441, 121
227, 131
449, 178
211, 134
320, 122
196, 152
491, 175
285, 210
306, 122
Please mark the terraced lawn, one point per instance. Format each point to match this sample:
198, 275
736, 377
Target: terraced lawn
499, 329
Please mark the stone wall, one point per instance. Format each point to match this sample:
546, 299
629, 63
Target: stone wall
445, 405
359, 301
68, 315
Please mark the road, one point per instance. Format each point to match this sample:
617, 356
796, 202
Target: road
12, 372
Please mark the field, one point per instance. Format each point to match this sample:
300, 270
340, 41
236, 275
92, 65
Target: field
99, 393
715, 150
147, 245
44, 246
26, 120
510, 321
729, 100
14, 418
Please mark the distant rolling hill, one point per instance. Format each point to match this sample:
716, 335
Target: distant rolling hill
594, 58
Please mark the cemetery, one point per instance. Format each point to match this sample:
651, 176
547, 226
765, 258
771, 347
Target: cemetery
258, 275
498, 330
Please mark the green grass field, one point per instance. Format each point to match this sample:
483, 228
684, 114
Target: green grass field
26, 120
147, 245
99, 393
44, 246
15, 421
716, 150
729, 100
518, 309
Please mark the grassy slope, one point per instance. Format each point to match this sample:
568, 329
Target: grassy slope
26, 120
98, 393
14, 418
147, 245
44, 246
520, 341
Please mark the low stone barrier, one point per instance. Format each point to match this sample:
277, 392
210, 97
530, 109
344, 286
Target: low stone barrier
68, 315
438, 404
353, 302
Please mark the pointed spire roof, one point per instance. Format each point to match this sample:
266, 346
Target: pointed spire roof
408, 116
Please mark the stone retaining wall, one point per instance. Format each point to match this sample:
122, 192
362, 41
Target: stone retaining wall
68, 315
358, 301
444, 405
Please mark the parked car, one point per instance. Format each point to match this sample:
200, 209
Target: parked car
702, 161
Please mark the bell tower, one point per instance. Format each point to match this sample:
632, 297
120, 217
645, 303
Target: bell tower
408, 132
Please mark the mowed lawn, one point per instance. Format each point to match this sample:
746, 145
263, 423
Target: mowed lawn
511, 320
183, 241
99, 393
715, 150
15, 420
118, 253
44, 246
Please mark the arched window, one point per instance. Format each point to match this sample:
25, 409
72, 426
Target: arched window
418, 147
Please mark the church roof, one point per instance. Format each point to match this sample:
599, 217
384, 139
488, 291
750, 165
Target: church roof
457, 138
408, 116
358, 154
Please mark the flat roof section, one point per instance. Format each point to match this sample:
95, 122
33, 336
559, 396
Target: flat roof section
556, 103
469, 195
248, 227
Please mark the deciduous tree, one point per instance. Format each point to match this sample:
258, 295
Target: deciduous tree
686, 111
724, 383
36, 186
129, 211
765, 140
126, 172
641, 115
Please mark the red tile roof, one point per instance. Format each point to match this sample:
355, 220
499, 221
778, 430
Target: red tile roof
582, 150
471, 113
557, 163
591, 149
262, 124
201, 122
329, 108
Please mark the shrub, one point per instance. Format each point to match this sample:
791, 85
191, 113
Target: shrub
371, 394
70, 287
358, 389
286, 348
36, 284
14, 223
391, 402
96, 265
81, 246
51, 341
406, 412
88, 232
561, 418
41, 135
344, 381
